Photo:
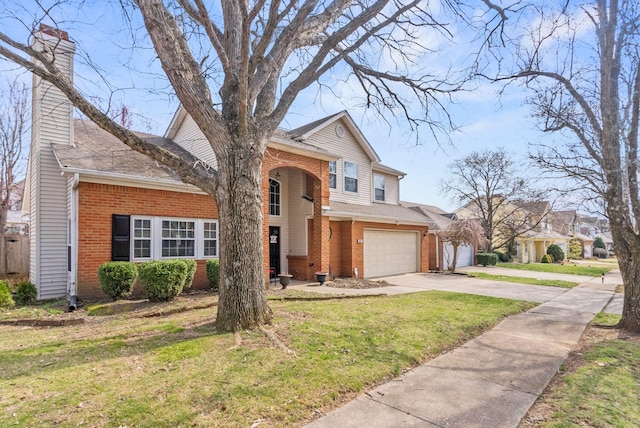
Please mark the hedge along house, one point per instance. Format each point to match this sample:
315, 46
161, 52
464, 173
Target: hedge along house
329, 204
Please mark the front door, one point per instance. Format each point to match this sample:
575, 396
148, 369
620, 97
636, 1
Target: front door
274, 248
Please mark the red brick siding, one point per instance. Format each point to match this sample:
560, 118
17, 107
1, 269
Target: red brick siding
318, 254
97, 203
335, 248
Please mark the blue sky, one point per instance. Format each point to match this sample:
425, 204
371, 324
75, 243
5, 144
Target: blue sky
485, 120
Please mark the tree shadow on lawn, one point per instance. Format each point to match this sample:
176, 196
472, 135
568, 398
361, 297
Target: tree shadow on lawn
37, 360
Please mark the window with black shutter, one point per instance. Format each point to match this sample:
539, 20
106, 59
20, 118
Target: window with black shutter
121, 230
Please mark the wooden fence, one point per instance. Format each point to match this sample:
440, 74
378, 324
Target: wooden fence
16, 255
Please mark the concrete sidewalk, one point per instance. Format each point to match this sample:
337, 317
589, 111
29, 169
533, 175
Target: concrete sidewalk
492, 380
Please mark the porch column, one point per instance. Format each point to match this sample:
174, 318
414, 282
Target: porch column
320, 253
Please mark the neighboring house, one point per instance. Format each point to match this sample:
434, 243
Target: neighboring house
330, 204
17, 219
533, 244
572, 223
441, 253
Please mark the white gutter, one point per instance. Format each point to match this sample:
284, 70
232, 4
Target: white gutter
334, 215
92, 176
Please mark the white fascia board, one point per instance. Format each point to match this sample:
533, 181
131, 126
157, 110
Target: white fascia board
338, 216
89, 176
274, 143
387, 169
364, 143
176, 122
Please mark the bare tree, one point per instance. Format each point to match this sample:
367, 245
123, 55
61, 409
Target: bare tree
462, 232
581, 66
267, 53
14, 117
491, 189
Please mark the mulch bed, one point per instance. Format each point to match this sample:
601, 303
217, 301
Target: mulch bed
356, 283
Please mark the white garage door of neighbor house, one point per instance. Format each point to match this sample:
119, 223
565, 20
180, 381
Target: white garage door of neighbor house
390, 252
465, 256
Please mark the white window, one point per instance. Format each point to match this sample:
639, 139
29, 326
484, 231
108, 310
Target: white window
142, 238
178, 238
274, 197
333, 174
378, 186
350, 177
157, 238
210, 231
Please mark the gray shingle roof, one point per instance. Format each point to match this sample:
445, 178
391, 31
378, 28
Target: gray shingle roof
440, 218
377, 211
98, 151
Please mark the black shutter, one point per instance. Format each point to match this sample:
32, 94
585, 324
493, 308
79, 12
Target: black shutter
120, 232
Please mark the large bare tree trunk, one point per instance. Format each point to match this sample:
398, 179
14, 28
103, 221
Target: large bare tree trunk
630, 270
242, 299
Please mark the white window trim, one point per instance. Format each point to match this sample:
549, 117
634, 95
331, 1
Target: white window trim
156, 238
345, 176
335, 174
279, 197
384, 191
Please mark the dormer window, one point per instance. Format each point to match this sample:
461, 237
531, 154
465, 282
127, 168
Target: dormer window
274, 197
350, 177
378, 186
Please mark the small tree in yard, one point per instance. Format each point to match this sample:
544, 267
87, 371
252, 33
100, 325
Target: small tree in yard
599, 243
575, 249
491, 184
237, 67
14, 117
462, 232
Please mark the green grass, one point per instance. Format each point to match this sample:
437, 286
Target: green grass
555, 268
178, 371
604, 391
523, 280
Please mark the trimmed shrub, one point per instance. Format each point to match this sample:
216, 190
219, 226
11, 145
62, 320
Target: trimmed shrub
555, 252
485, 259
502, 257
192, 265
547, 258
117, 278
213, 273
26, 292
162, 280
6, 301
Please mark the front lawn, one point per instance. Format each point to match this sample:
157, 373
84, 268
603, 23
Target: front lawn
598, 386
176, 370
524, 280
556, 268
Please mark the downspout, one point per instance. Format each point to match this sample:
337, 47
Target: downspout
73, 241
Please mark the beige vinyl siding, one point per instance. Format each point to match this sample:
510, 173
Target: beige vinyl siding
349, 150
52, 118
300, 210
192, 139
391, 189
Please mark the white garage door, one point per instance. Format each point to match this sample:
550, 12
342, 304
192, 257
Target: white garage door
465, 256
390, 252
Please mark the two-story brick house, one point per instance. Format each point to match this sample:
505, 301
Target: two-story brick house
330, 205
